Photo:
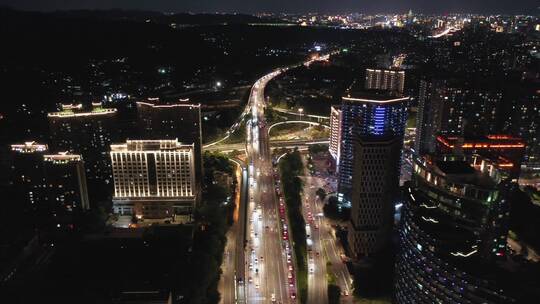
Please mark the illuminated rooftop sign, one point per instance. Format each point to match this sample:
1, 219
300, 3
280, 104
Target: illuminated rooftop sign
29, 147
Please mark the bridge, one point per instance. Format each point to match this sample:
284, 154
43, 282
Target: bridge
274, 144
317, 118
297, 122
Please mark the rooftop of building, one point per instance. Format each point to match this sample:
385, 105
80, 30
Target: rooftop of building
455, 167
358, 92
495, 141
150, 145
391, 69
29, 147
459, 171
78, 110
373, 96
62, 157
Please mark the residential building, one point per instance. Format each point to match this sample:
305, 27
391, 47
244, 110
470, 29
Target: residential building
27, 172
449, 108
65, 180
386, 80
88, 132
524, 121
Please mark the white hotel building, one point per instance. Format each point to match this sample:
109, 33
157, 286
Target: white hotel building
154, 179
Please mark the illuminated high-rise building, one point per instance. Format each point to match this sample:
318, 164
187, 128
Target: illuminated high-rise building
180, 120
88, 132
453, 232
373, 124
154, 179
386, 80
335, 133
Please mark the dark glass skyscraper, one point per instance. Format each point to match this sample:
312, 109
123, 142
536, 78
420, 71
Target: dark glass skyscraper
370, 116
452, 233
373, 125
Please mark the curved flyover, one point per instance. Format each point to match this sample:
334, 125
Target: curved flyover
297, 122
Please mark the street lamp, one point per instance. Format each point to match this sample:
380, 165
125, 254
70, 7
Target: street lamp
301, 110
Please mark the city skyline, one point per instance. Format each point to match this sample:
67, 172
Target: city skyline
316, 158
297, 6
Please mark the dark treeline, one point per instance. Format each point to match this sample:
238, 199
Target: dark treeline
291, 167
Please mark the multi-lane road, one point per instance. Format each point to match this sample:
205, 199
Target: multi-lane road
266, 272
233, 257
260, 267
325, 256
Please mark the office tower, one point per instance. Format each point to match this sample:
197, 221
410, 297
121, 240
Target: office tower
449, 108
505, 151
181, 120
27, 171
88, 132
386, 80
154, 179
373, 126
335, 133
453, 232
65, 179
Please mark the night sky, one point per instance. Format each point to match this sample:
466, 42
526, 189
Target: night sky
252, 6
